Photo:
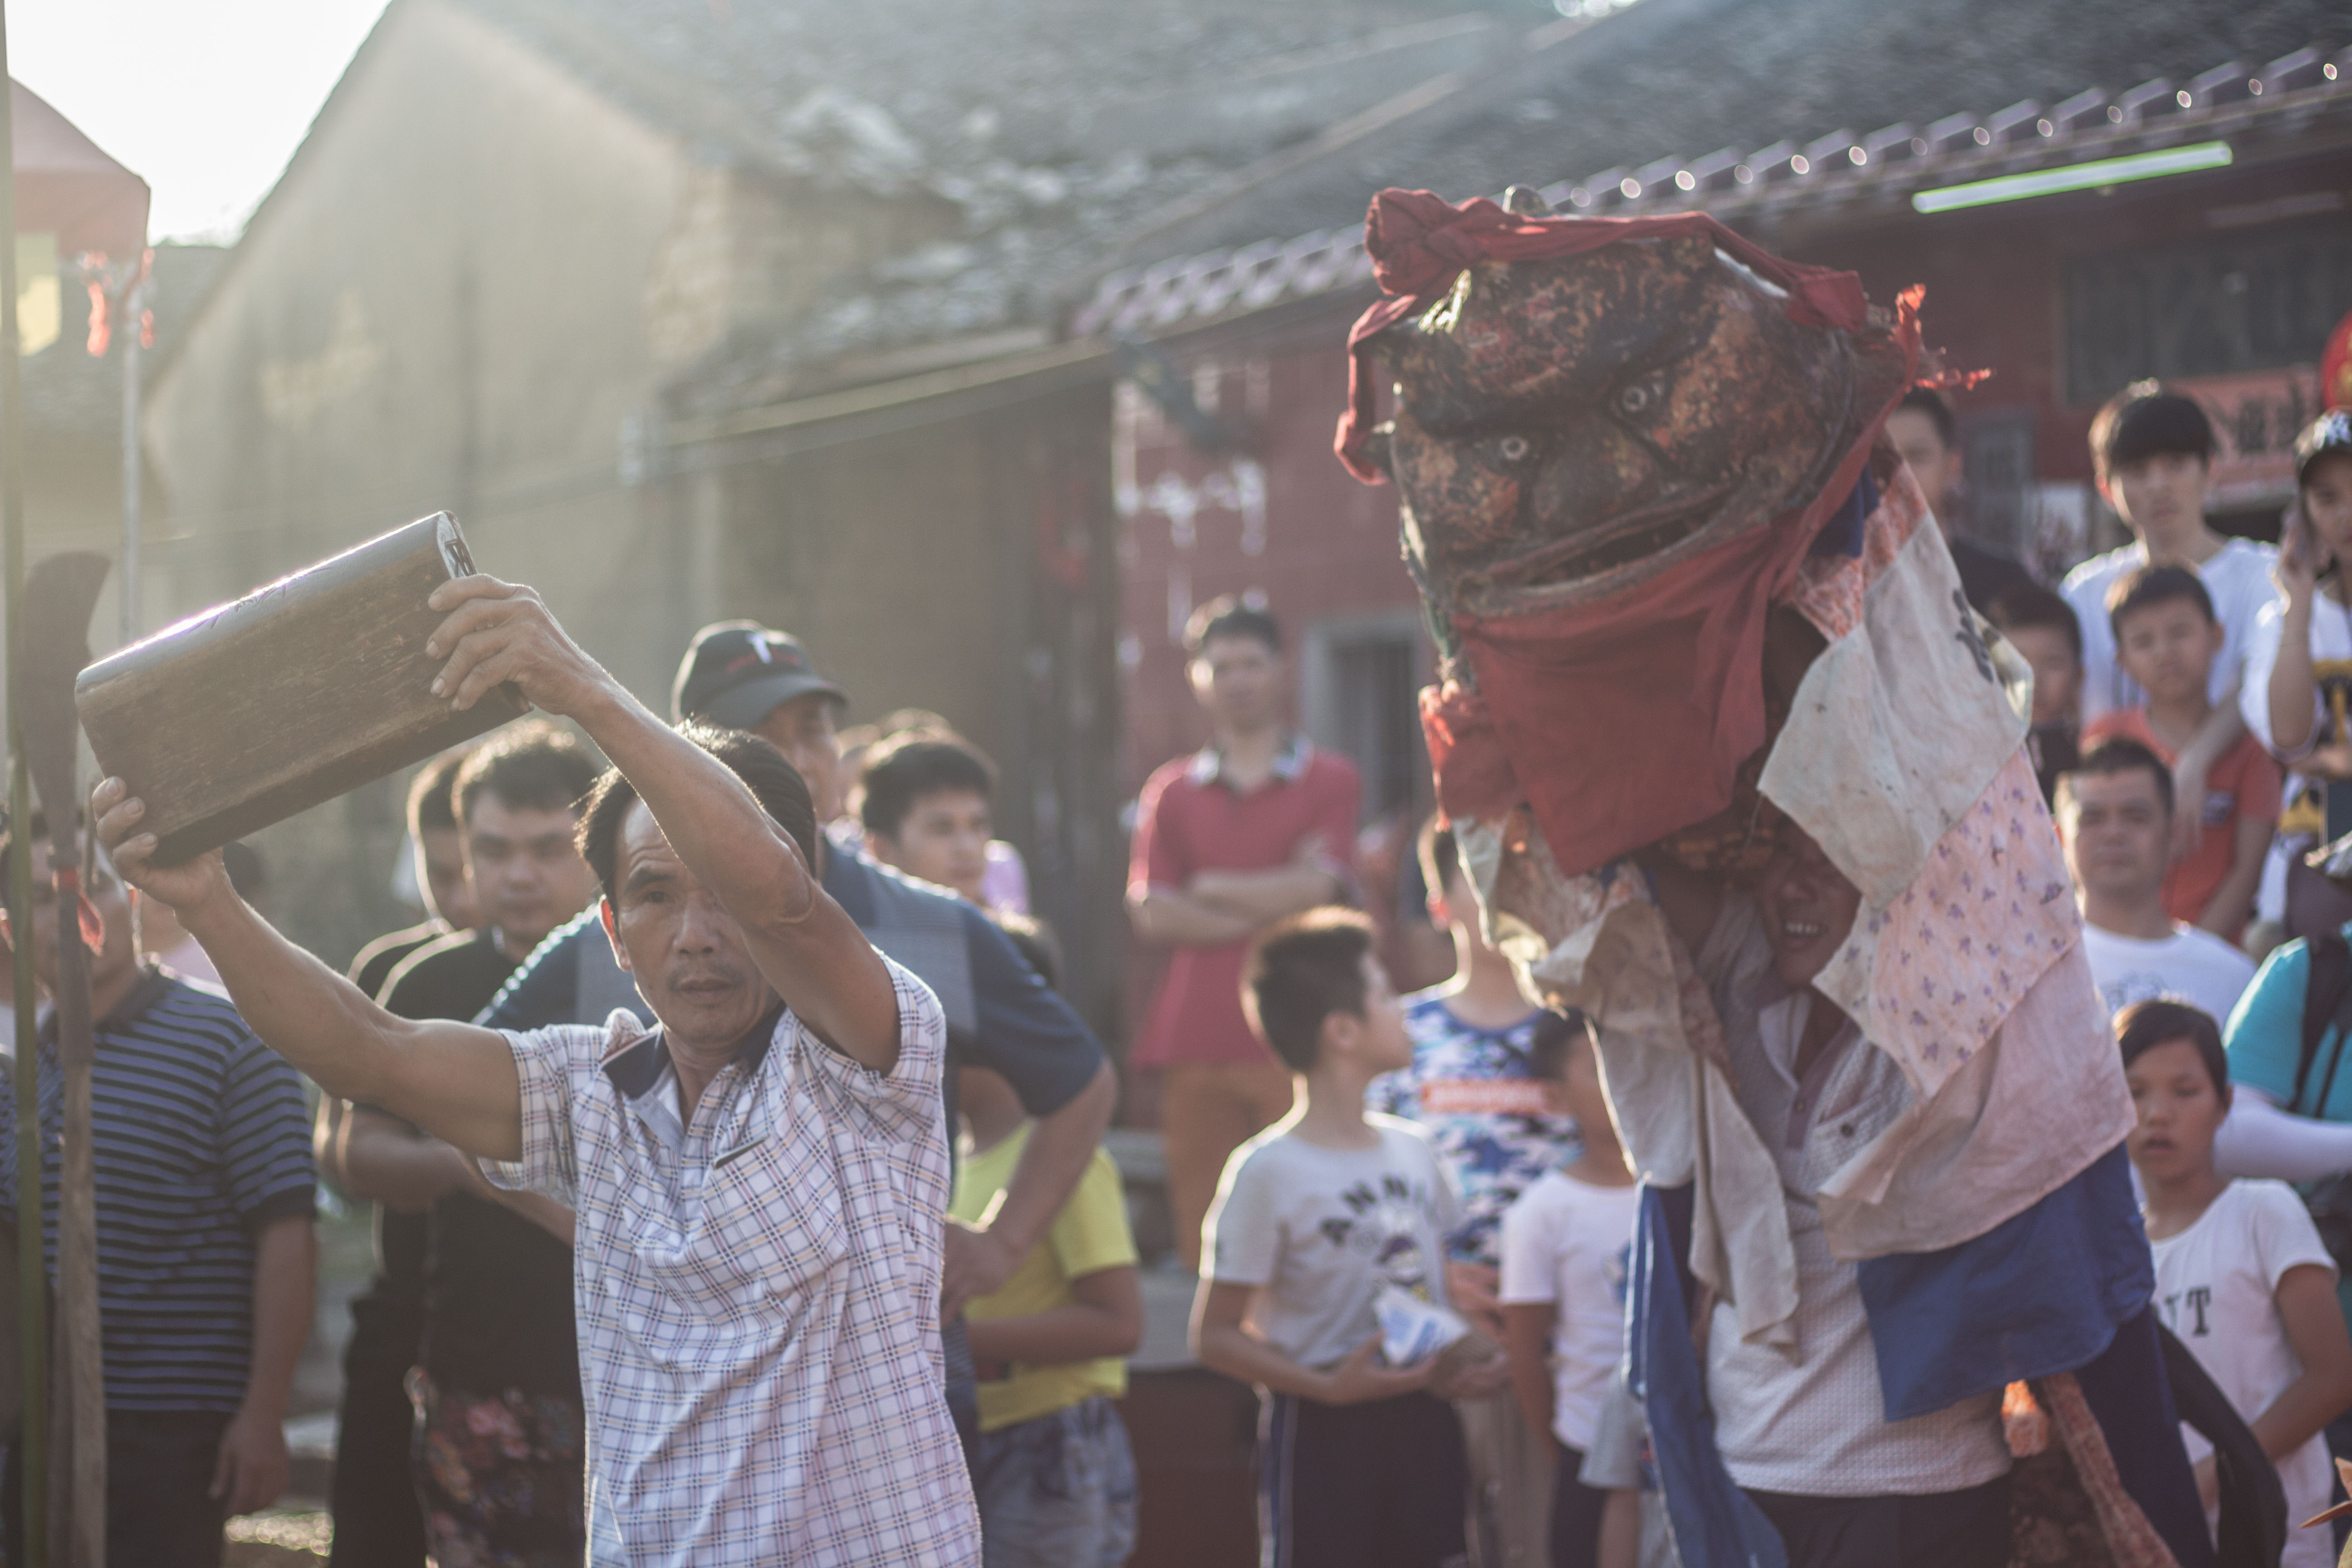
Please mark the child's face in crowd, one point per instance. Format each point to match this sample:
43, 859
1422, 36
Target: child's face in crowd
2163, 493
2169, 648
1808, 908
2180, 1111
1382, 1043
1577, 1093
943, 839
2328, 504
2057, 673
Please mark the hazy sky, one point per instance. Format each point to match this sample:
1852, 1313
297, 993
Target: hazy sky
206, 98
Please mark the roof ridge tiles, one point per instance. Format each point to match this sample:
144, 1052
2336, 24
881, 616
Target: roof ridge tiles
1321, 260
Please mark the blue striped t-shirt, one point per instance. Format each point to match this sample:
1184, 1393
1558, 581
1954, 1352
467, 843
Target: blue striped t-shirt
201, 1137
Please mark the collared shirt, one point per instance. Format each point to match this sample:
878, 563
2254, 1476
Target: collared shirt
1190, 818
1811, 1420
200, 1138
758, 1292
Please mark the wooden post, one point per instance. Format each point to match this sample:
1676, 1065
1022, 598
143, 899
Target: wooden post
49, 646
31, 1276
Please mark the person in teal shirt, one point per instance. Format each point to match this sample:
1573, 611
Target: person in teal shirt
2271, 1132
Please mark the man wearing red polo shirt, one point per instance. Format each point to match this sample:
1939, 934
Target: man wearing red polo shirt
1256, 826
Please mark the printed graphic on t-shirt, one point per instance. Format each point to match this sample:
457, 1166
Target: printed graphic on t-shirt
2186, 1311
1382, 1224
2306, 810
1471, 1090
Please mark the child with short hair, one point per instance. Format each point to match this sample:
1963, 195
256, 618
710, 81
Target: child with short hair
2166, 639
2152, 455
1054, 1476
1566, 1242
1315, 1220
2044, 629
2240, 1276
1472, 1087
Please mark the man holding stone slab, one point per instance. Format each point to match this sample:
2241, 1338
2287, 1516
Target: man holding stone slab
759, 1182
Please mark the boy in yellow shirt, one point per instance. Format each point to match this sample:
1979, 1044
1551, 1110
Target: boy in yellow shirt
1054, 1477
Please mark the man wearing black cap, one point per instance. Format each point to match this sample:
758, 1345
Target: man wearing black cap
1000, 1014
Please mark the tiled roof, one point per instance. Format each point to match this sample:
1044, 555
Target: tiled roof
1054, 127
1072, 137
1883, 167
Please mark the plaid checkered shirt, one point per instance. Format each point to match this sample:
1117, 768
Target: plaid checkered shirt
758, 1292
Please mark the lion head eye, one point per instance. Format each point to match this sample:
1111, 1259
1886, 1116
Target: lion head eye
1512, 448
1639, 398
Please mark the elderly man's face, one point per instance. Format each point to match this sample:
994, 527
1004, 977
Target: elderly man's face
686, 952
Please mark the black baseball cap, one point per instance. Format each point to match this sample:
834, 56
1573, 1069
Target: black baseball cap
2329, 433
739, 672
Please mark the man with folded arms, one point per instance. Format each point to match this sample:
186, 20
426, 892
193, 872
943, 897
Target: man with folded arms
758, 1183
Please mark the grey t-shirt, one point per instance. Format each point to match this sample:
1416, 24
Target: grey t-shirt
1320, 1230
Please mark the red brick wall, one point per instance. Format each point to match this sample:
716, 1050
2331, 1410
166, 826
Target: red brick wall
1276, 515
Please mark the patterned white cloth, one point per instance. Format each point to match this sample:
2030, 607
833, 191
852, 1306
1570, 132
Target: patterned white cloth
758, 1292
1810, 1418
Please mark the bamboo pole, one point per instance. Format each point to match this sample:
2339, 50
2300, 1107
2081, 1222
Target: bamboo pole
32, 1336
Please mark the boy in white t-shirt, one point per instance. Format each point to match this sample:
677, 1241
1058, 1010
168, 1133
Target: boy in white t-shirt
2240, 1276
2152, 452
1566, 1242
1316, 1219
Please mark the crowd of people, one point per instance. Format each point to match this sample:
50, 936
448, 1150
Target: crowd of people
738, 1171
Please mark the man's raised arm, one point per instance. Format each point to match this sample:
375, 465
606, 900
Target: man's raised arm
806, 945
453, 1079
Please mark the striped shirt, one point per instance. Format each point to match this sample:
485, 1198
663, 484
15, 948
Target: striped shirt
200, 1138
758, 1292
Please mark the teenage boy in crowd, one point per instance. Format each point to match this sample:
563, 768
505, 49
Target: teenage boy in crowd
1473, 1087
372, 1496
2299, 675
1567, 1243
2240, 1276
438, 864
927, 809
2042, 628
2167, 640
207, 1252
499, 1431
2115, 814
1056, 1478
1001, 1014
1359, 1463
790, 1100
1255, 827
2152, 453
1922, 429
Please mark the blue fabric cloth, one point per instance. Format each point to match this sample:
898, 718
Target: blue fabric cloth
1714, 1522
2056, 1282
2131, 1399
2041, 1292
